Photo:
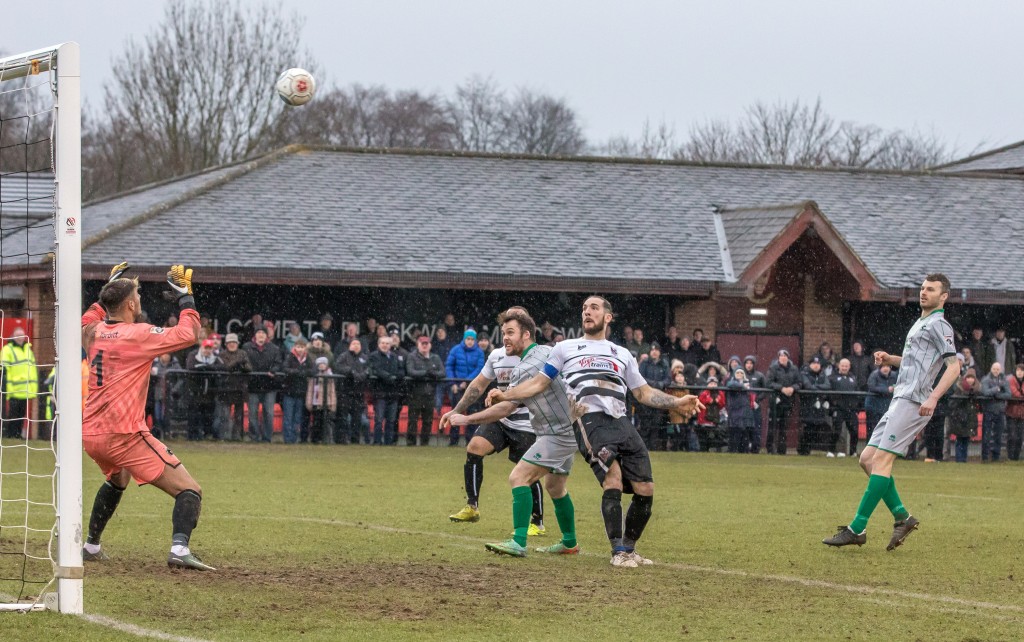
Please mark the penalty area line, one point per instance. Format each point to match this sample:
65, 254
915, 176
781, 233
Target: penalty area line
124, 627
771, 577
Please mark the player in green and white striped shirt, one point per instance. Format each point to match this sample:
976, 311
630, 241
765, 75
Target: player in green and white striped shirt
929, 345
551, 456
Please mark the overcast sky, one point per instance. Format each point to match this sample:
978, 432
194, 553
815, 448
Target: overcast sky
938, 66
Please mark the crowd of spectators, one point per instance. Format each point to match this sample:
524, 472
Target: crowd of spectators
349, 386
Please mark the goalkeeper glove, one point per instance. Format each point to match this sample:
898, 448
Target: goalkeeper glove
180, 280
118, 270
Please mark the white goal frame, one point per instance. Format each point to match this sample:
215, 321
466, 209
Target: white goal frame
67, 151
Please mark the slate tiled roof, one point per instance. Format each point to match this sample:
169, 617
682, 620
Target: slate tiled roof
748, 231
432, 213
102, 216
1004, 159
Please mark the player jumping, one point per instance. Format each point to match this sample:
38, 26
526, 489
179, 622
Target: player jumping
929, 343
514, 432
551, 414
598, 373
114, 431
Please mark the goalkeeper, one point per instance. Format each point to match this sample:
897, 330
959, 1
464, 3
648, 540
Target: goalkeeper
114, 431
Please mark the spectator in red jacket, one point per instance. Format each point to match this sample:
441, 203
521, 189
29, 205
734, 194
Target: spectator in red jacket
1015, 414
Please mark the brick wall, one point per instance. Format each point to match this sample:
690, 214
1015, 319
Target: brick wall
695, 313
823, 318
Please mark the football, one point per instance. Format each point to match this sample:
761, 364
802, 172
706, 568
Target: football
296, 86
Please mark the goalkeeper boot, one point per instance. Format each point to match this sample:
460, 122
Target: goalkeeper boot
98, 556
559, 549
467, 514
508, 547
901, 530
188, 560
844, 537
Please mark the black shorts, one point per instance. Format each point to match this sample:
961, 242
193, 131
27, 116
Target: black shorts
607, 440
502, 437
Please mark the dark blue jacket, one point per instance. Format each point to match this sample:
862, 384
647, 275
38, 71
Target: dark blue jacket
878, 387
465, 363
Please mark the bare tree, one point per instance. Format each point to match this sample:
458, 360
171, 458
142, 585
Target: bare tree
540, 124
477, 113
787, 134
654, 142
198, 91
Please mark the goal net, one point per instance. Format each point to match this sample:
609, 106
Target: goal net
40, 309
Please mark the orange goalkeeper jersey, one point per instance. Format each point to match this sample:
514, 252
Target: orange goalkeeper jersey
120, 358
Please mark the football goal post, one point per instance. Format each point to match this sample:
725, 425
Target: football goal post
40, 331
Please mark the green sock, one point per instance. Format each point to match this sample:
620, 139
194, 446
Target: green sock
894, 503
522, 508
566, 516
877, 486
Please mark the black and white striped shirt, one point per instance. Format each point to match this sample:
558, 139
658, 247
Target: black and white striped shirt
498, 367
597, 373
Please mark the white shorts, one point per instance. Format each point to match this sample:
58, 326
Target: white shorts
898, 427
554, 452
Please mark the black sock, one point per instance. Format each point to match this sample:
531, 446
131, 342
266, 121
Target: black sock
636, 519
611, 509
538, 503
185, 516
474, 472
107, 499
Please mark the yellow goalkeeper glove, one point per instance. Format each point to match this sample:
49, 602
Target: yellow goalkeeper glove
118, 270
180, 280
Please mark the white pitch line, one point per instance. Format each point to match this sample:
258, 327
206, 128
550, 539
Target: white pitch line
788, 579
124, 627
136, 630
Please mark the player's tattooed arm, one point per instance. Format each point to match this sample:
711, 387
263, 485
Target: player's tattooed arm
657, 399
473, 392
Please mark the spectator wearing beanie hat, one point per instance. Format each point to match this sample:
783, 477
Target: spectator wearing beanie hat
321, 402
465, 361
319, 347
784, 379
234, 389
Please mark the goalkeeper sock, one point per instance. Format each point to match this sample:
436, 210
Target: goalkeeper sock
538, 504
473, 470
611, 510
894, 503
565, 513
636, 519
521, 503
184, 518
877, 486
107, 499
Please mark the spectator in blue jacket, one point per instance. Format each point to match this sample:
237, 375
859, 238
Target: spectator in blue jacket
465, 361
880, 385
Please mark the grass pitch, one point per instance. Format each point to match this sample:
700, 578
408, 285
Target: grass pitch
354, 543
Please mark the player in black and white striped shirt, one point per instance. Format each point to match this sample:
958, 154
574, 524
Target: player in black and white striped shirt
598, 374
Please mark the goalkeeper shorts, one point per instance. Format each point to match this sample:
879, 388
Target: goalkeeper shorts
140, 453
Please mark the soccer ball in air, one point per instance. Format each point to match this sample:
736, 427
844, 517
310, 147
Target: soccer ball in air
296, 86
